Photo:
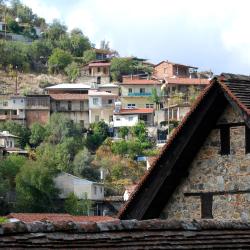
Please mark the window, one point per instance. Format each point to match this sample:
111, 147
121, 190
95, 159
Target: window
206, 206
117, 119
247, 139
95, 101
110, 101
130, 118
149, 105
69, 105
225, 140
82, 123
14, 112
95, 190
130, 90
98, 69
81, 105
96, 118
142, 90
131, 105
110, 118
98, 80
5, 103
14, 101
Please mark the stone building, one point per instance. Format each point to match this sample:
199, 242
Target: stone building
203, 170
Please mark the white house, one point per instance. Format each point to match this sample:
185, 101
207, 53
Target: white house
7, 140
68, 183
13, 108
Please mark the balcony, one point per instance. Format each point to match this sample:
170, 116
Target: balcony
139, 94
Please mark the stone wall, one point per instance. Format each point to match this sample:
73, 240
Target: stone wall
212, 172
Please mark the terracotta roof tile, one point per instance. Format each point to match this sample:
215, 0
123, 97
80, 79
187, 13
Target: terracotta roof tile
99, 64
131, 234
135, 111
68, 96
188, 81
53, 217
127, 81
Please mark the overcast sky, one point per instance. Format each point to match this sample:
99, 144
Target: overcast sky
209, 34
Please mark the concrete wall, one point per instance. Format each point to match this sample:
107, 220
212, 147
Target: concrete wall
125, 120
211, 172
67, 184
104, 114
140, 102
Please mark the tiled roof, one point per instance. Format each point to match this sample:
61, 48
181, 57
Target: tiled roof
69, 97
53, 217
135, 111
99, 64
127, 81
235, 88
131, 234
71, 86
188, 81
100, 93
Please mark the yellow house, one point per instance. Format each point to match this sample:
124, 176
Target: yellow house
137, 93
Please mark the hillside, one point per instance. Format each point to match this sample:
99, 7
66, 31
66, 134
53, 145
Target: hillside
27, 82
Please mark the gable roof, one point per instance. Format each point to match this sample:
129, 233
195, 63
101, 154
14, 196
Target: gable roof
171, 165
132, 234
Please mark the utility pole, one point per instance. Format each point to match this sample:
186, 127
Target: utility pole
16, 81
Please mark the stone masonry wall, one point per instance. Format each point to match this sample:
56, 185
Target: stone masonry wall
212, 172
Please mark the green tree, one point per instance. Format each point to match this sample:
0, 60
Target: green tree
89, 55
10, 167
119, 67
81, 161
123, 132
71, 204
38, 133
139, 131
35, 189
58, 128
79, 44
13, 26
72, 71
56, 30
19, 130
59, 60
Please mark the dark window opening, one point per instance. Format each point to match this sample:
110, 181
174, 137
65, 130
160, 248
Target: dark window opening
247, 139
225, 140
69, 105
207, 206
98, 80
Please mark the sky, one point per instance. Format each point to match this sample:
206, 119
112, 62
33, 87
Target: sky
212, 35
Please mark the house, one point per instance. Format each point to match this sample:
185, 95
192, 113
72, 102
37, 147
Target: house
131, 116
70, 100
137, 93
110, 88
96, 72
203, 170
167, 69
176, 112
101, 106
8, 144
68, 183
13, 108
37, 109
82, 188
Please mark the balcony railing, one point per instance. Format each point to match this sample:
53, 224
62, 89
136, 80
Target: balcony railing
139, 94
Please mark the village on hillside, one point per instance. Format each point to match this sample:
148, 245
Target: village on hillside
104, 151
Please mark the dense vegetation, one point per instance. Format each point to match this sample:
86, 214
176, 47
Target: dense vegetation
62, 146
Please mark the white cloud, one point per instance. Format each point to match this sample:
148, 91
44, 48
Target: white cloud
204, 33
45, 10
